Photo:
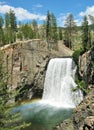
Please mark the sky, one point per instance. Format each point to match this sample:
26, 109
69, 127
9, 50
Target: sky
26, 10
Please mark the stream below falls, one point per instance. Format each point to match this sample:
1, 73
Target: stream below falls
43, 116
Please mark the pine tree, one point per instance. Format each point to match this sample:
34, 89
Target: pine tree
89, 39
7, 28
51, 30
42, 31
92, 28
26, 31
60, 34
10, 27
35, 28
85, 33
3, 91
92, 20
7, 20
54, 34
70, 27
1, 31
48, 27
8, 120
1, 22
13, 23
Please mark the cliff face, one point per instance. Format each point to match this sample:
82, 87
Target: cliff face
26, 63
86, 65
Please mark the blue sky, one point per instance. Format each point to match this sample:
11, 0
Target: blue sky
26, 10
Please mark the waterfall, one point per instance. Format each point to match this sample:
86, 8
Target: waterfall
59, 83
58, 99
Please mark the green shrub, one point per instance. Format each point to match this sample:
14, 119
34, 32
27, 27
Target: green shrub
76, 55
82, 86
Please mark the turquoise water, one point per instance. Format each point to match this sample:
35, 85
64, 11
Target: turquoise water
42, 115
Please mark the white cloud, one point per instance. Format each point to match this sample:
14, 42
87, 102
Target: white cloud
2, 3
21, 13
38, 6
78, 21
5, 8
61, 19
87, 12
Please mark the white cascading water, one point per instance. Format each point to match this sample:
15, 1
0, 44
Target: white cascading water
59, 83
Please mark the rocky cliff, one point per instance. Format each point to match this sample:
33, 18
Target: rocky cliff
86, 67
26, 62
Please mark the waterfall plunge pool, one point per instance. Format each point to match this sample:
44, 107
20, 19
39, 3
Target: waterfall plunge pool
43, 115
58, 98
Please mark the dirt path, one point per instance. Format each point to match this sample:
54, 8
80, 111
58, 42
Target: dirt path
64, 50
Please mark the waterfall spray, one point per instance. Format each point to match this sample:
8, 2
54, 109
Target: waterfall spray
59, 83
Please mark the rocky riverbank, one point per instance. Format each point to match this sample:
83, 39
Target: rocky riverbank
82, 117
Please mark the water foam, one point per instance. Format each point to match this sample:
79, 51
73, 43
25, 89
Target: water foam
59, 84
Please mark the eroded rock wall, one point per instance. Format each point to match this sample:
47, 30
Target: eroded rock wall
86, 67
26, 64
